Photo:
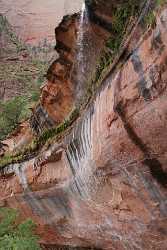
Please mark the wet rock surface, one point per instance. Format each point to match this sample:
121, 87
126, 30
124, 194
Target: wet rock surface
54, 247
68, 76
105, 184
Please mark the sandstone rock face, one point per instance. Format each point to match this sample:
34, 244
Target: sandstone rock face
79, 42
26, 37
19, 138
105, 184
35, 21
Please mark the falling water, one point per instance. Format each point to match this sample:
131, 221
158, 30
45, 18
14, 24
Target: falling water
81, 45
89, 146
79, 152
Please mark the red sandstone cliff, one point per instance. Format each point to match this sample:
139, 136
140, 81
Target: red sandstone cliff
34, 21
62, 89
104, 184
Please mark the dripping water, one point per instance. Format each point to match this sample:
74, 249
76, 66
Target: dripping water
79, 154
20, 172
79, 151
81, 49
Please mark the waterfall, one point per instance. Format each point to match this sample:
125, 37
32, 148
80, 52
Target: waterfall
79, 152
20, 172
79, 156
81, 46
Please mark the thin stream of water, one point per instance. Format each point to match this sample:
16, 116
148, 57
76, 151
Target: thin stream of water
81, 46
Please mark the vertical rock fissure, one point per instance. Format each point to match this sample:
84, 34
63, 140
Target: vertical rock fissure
142, 83
154, 164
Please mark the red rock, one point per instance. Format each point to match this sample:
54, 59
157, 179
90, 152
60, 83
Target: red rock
107, 188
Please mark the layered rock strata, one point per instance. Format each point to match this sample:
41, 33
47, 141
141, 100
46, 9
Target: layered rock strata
105, 184
34, 21
66, 83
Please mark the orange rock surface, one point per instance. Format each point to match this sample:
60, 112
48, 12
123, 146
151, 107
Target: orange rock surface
105, 184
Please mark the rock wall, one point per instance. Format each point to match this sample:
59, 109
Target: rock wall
105, 184
35, 21
69, 75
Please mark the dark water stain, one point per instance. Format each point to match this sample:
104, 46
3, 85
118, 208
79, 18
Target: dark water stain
142, 83
40, 120
35, 204
154, 164
70, 163
93, 17
131, 133
61, 46
58, 200
67, 247
157, 43
157, 171
154, 192
62, 204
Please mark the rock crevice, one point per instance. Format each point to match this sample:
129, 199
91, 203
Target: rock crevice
104, 183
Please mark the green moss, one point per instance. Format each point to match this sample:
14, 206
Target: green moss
122, 14
160, 2
37, 143
48, 134
27, 77
121, 18
12, 112
150, 18
14, 235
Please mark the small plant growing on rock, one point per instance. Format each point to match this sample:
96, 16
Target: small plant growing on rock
14, 236
37, 143
12, 112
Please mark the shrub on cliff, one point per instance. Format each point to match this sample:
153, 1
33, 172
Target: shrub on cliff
11, 113
14, 236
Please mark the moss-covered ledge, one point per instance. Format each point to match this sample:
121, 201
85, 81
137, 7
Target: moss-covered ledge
31, 150
107, 63
127, 16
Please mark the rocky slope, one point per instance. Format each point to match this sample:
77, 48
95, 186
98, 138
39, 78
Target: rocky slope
27, 43
65, 83
34, 21
103, 184
26, 35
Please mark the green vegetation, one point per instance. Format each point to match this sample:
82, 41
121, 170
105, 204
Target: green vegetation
12, 112
16, 44
25, 72
6, 29
160, 2
26, 79
123, 15
14, 236
37, 143
150, 19
48, 134
22, 70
